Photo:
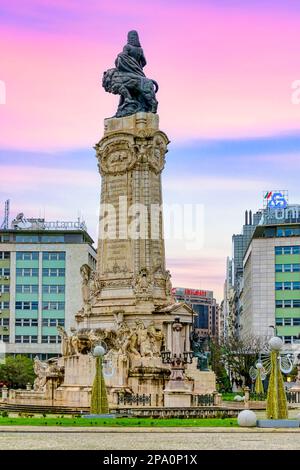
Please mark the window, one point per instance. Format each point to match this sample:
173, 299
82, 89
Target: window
278, 268
4, 321
278, 285
27, 238
287, 322
287, 268
296, 321
4, 255
27, 288
4, 238
53, 289
54, 255
27, 255
4, 338
53, 305
51, 339
53, 322
296, 303
4, 305
53, 272
287, 250
287, 339
296, 285
27, 272
4, 288
22, 305
287, 286
26, 322
53, 238
279, 303
296, 250
296, 268
278, 250
25, 339
279, 321
287, 303
4, 272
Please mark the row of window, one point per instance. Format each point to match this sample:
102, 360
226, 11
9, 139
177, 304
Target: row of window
4, 254
290, 339
34, 305
34, 255
287, 268
4, 288
287, 231
50, 339
295, 303
34, 289
34, 321
4, 321
4, 338
295, 285
4, 271
26, 322
287, 321
42, 239
34, 272
287, 250
26, 339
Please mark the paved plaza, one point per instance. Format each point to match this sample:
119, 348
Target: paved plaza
148, 439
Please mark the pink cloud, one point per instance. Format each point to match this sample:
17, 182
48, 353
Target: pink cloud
220, 71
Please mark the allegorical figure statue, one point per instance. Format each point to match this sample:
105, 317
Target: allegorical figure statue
197, 346
137, 92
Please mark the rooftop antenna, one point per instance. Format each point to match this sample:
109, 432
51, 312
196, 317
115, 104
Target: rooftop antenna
5, 223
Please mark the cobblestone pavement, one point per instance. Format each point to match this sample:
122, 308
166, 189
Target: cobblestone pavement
145, 439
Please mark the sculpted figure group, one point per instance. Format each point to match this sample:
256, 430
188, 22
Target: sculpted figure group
132, 341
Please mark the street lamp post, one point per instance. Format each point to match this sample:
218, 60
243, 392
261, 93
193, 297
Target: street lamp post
99, 402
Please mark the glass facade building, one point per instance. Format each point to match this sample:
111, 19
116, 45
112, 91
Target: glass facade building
206, 310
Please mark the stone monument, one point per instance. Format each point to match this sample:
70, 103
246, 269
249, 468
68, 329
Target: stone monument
127, 302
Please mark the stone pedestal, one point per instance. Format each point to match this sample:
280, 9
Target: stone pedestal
204, 382
177, 394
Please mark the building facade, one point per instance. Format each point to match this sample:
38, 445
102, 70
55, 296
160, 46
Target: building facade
271, 288
206, 316
40, 285
232, 305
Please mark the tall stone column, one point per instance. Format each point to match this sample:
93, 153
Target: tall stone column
131, 254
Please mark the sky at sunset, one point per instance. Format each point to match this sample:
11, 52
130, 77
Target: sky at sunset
225, 70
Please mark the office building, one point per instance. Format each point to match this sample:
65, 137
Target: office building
40, 282
271, 290
206, 310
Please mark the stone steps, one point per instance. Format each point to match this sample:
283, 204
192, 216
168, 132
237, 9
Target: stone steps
36, 409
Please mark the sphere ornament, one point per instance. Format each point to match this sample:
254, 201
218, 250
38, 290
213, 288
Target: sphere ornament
238, 398
276, 343
99, 351
247, 419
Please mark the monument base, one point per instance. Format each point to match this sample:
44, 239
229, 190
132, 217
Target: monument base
177, 398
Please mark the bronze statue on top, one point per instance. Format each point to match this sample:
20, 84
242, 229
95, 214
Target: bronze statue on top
137, 92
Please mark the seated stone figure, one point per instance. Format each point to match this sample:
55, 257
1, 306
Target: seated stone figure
137, 92
197, 346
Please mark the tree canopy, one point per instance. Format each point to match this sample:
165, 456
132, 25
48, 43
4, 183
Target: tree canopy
17, 371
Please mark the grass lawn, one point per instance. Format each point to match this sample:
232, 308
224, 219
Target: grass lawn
229, 396
135, 422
